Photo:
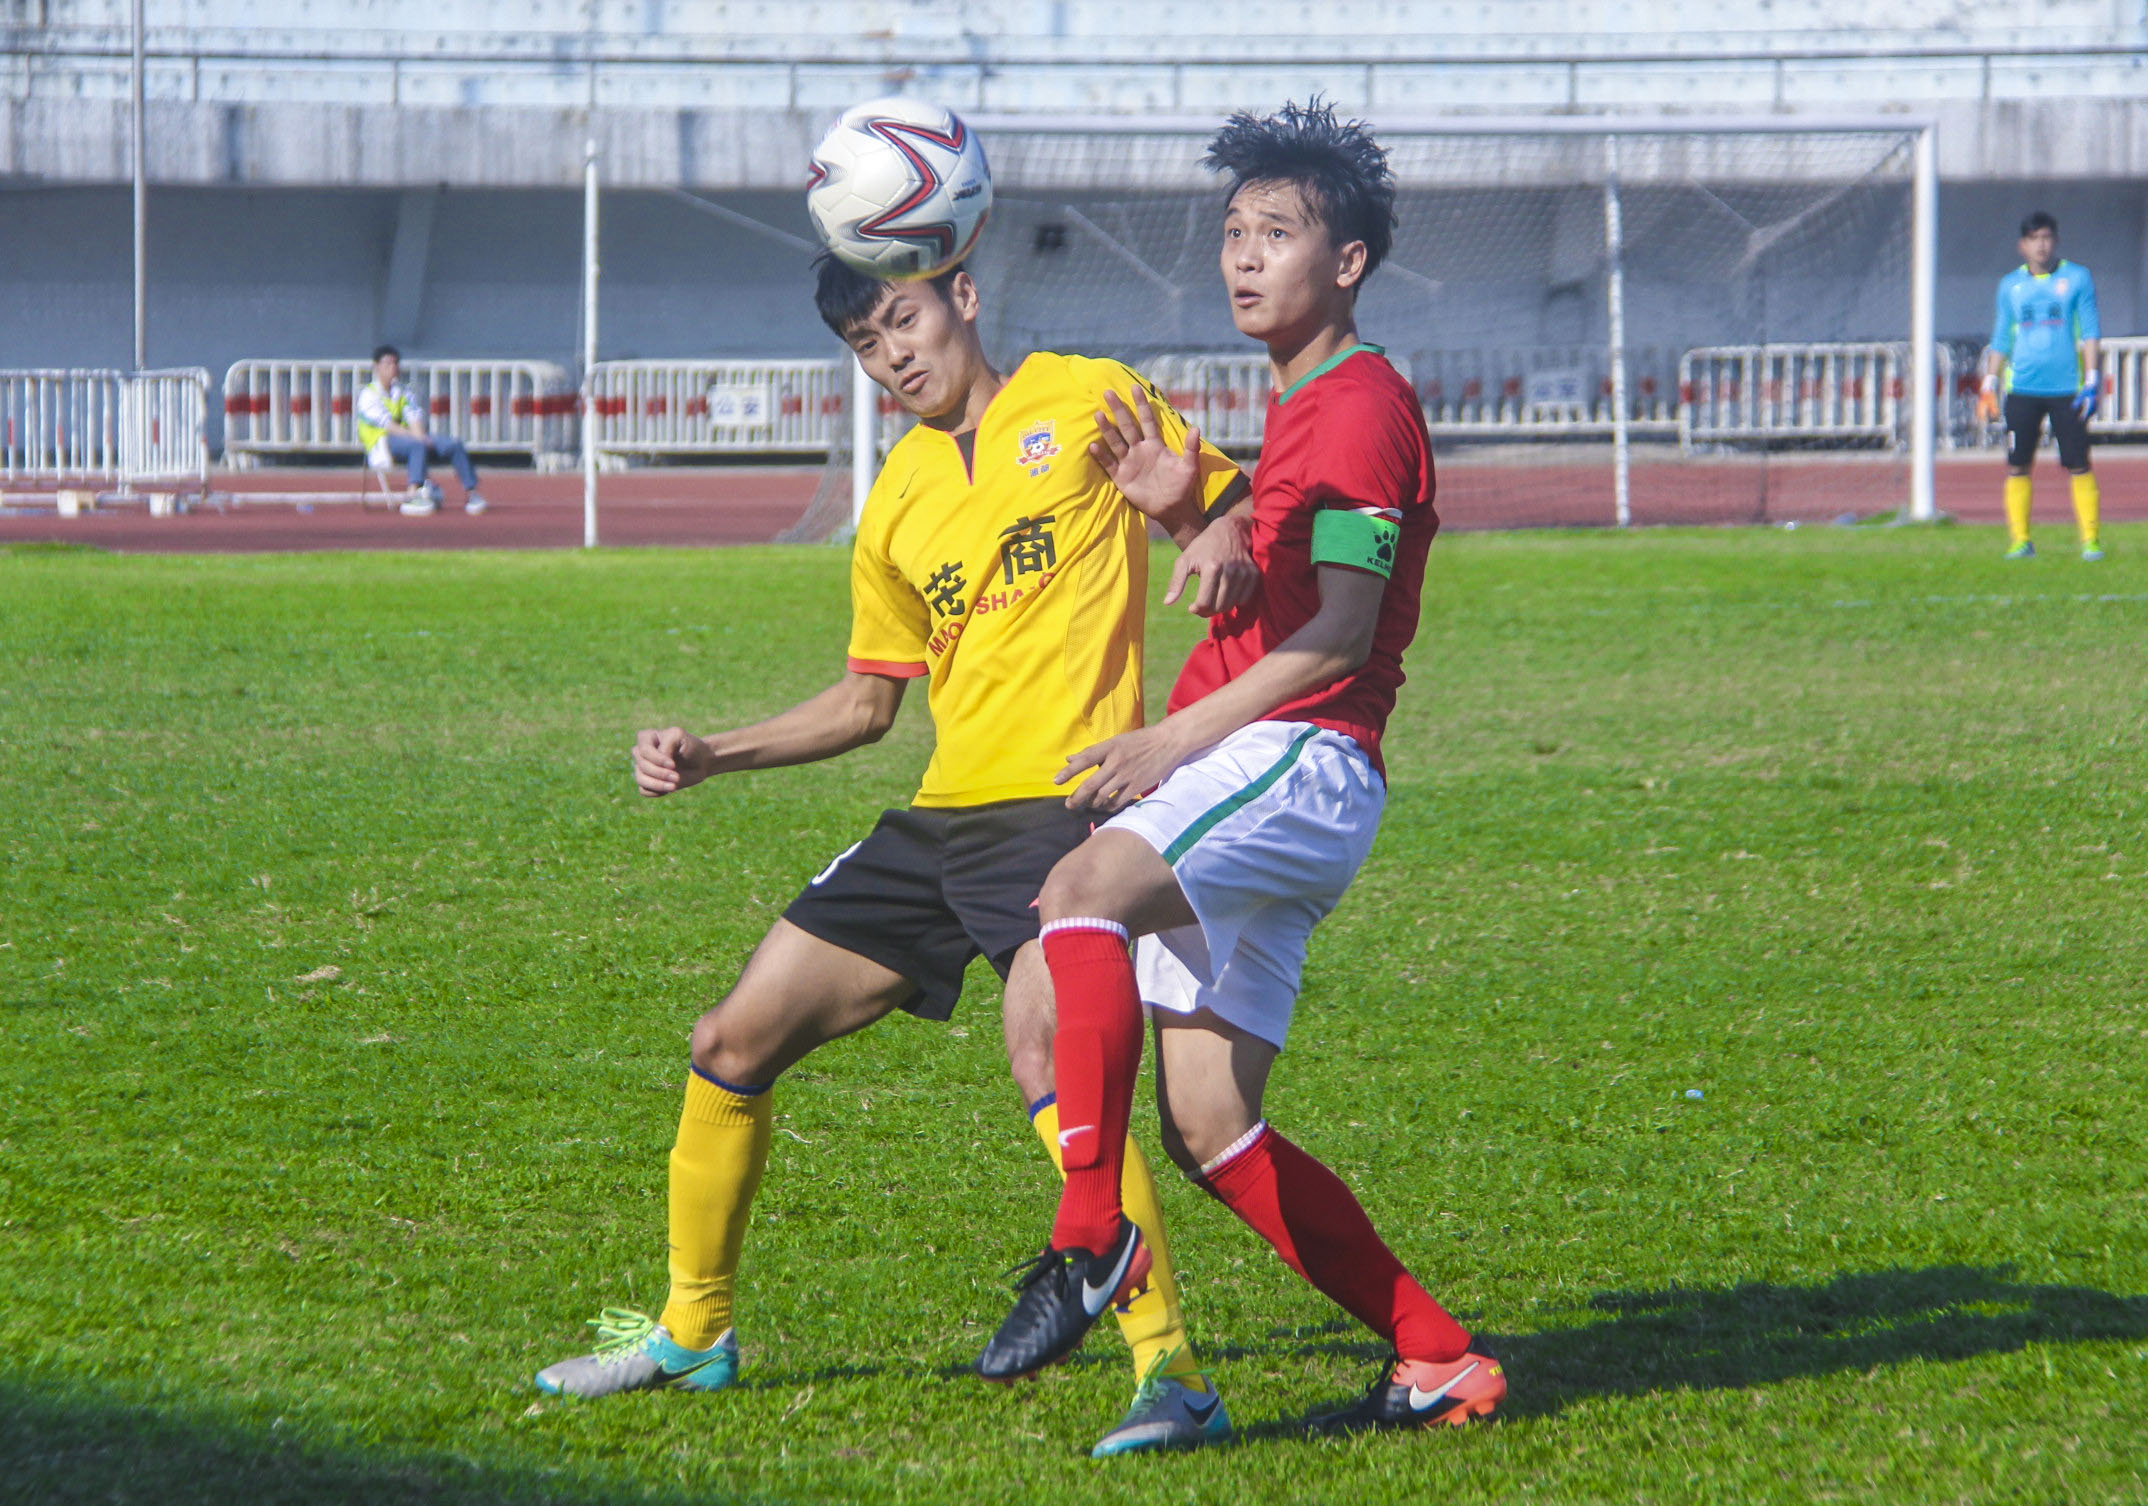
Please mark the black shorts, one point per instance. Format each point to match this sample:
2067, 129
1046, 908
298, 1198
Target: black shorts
932, 888
2025, 417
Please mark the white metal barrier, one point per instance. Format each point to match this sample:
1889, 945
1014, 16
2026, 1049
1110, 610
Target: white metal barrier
2125, 387
279, 407
93, 425
2125, 393
714, 407
1542, 392
1539, 392
60, 425
1844, 393
1960, 367
164, 427
1224, 395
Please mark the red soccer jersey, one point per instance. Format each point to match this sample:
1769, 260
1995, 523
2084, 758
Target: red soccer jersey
1349, 434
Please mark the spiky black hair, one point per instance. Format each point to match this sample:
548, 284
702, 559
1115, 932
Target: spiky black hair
1336, 166
2038, 221
847, 297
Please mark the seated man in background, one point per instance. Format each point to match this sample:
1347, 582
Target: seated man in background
391, 426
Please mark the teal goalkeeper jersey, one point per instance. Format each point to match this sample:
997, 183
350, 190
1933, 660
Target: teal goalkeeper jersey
2040, 324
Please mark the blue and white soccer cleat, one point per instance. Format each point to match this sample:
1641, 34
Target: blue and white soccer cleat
636, 1353
2091, 554
2022, 551
1167, 1414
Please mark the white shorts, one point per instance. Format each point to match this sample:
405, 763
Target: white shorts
1264, 831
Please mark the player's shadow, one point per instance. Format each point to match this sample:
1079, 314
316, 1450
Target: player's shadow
1698, 1339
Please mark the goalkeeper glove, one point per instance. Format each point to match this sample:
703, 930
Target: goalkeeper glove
2091, 393
1987, 400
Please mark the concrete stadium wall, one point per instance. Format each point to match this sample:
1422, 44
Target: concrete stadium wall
654, 25
50, 140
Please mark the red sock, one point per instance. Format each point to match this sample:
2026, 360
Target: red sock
1096, 1055
1306, 1212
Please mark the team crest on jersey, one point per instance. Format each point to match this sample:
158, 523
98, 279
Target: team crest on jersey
1039, 446
2059, 287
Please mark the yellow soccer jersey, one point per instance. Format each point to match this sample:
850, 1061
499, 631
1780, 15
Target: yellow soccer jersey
1016, 578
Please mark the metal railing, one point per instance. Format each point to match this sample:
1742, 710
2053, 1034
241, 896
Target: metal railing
61, 425
164, 427
1224, 395
2125, 386
719, 407
96, 425
275, 407
1543, 392
2124, 412
1846, 393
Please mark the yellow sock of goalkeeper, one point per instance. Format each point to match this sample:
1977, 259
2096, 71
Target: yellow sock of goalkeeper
2087, 507
716, 1168
1151, 1322
2017, 510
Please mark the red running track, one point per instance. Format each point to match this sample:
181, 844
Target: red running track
681, 507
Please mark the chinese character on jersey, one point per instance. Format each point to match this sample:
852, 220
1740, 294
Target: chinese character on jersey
944, 589
1027, 547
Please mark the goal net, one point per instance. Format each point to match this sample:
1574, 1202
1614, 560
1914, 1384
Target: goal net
1722, 317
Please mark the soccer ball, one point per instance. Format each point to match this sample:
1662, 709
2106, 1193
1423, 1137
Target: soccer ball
899, 188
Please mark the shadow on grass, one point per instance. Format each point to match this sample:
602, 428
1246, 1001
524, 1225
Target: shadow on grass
72, 1449
60, 1445
1695, 1339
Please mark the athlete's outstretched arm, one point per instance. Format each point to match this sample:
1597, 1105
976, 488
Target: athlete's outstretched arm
1335, 641
1164, 485
855, 710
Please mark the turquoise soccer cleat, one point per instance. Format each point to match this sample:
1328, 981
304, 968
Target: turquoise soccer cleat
636, 1353
2022, 551
1167, 1414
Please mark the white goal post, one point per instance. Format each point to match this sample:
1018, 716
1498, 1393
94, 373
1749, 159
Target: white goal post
1790, 231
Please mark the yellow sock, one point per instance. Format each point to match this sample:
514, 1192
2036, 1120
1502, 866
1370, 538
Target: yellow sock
1151, 1322
2017, 510
715, 1170
2087, 507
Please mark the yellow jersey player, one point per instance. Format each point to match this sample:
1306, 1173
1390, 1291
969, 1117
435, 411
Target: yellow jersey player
1003, 559
2045, 350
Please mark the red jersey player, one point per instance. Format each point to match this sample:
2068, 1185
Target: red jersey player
1266, 790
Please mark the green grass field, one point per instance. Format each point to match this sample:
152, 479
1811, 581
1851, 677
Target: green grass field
345, 983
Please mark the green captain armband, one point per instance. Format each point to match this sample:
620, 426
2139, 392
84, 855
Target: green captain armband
1356, 540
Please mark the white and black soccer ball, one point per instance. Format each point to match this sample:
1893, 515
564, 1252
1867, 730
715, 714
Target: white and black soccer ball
899, 188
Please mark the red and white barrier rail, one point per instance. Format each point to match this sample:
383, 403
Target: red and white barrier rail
1225, 395
1519, 394
2125, 387
97, 426
275, 408
61, 425
1542, 392
1847, 394
719, 407
164, 427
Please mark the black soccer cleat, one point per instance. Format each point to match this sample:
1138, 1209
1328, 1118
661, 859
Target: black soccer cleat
1063, 1292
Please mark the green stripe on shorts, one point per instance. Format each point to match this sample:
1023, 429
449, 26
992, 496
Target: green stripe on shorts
1223, 808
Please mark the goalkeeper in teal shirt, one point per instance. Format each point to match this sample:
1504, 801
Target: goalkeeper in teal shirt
2045, 349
